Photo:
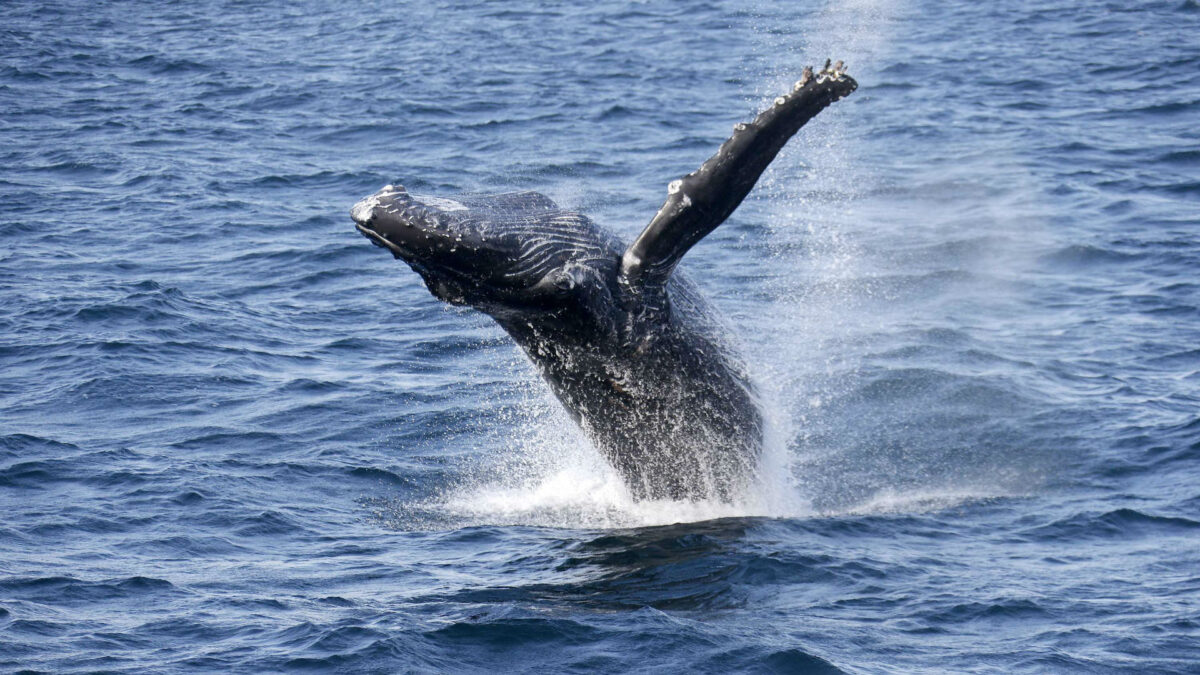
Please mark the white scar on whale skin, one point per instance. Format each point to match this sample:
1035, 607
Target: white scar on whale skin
440, 203
362, 210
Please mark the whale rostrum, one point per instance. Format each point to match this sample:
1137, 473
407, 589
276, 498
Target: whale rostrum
625, 342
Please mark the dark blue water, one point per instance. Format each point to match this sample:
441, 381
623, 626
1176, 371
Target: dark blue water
235, 437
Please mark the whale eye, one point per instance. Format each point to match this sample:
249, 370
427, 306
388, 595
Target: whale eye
558, 282
562, 280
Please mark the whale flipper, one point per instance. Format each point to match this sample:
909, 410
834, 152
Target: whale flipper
700, 201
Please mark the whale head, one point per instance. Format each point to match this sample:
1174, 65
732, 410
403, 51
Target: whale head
488, 251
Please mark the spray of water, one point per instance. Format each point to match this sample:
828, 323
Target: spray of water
834, 242
807, 201
548, 474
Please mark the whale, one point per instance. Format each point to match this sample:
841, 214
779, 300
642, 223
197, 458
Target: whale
625, 341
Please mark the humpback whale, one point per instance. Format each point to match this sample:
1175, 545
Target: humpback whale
626, 343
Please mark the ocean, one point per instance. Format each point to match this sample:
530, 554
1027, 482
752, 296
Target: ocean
235, 437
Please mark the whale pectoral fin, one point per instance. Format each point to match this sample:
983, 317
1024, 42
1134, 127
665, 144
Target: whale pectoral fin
700, 201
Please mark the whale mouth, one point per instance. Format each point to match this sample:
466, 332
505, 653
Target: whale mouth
382, 241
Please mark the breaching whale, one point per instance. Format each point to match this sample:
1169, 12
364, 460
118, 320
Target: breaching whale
627, 344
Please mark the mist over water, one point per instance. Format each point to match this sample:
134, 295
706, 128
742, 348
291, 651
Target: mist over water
235, 437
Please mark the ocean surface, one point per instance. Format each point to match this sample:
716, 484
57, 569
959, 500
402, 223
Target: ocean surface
235, 437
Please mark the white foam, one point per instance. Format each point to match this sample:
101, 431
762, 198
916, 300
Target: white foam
586, 499
919, 501
542, 471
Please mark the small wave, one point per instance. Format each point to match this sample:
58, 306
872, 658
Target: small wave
37, 627
379, 475
319, 179
536, 122
375, 132
1083, 255
347, 639
1183, 157
1184, 188
1000, 610
78, 170
950, 391
615, 112
159, 65
230, 439
275, 101
392, 650
30, 475
795, 661
1171, 107
516, 631
190, 547
57, 589
536, 643
24, 445
268, 524
187, 498
1117, 524
305, 385
1181, 359
884, 86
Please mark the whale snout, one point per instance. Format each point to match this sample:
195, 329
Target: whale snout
379, 218
369, 207
418, 228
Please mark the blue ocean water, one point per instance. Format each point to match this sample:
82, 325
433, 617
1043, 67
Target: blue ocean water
235, 437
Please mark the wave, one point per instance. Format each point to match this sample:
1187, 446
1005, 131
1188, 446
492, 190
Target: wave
1124, 523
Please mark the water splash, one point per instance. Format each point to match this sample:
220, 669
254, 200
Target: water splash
550, 475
